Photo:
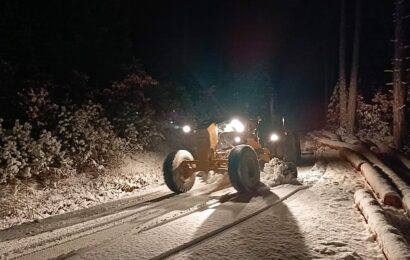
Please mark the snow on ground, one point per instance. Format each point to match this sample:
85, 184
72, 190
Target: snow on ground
33, 200
157, 242
320, 222
396, 216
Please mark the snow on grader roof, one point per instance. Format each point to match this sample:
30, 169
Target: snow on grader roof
238, 147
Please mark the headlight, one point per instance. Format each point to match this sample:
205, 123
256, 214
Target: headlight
274, 137
237, 125
237, 139
186, 128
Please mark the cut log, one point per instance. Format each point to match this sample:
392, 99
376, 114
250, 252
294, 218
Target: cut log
354, 158
387, 150
331, 135
380, 186
384, 149
402, 186
404, 160
393, 244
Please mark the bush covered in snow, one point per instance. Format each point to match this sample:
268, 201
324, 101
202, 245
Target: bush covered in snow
130, 110
23, 156
88, 137
332, 115
61, 136
36, 103
375, 117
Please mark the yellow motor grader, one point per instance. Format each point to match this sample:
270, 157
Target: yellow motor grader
237, 147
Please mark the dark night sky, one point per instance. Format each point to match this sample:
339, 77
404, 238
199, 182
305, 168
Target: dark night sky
238, 46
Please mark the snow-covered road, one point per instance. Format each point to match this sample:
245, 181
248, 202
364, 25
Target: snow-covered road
314, 220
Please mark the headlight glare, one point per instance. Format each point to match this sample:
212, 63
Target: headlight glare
237, 125
274, 137
186, 128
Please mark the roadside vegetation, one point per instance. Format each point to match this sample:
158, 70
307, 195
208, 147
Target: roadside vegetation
62, 153
62, 137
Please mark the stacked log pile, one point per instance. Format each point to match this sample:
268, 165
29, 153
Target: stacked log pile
385, 184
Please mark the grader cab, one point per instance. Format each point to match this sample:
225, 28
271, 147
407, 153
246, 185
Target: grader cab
232, 146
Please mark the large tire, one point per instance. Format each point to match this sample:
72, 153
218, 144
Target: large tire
173, 175
291, 148
243, 168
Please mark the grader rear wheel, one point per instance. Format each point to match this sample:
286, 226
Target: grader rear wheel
176, 177
243, 168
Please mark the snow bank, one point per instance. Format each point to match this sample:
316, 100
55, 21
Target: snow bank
33, 200
392, 243
277, 172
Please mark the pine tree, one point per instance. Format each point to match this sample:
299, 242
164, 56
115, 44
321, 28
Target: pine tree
399, 87
352, 102
342, 62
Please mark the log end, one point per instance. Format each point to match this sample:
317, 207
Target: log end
392, 200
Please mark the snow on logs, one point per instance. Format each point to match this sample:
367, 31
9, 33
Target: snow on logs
392, 242
380, 185
397, 181
387, 150
354, 158
376, 163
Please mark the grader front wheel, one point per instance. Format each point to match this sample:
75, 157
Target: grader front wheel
243, 168
177, 178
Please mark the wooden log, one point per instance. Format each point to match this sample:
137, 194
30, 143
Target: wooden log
354, 158
336, 144
380, 186
331, 135
404, 160
393, 244
401, 185
387, 150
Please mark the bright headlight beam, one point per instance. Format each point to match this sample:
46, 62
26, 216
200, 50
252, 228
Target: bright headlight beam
237, 139
186, 128
274, 137
237, 125
228, 128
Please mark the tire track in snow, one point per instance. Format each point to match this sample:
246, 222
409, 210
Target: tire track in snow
155, 222
150, 211
218, 231
140, 242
